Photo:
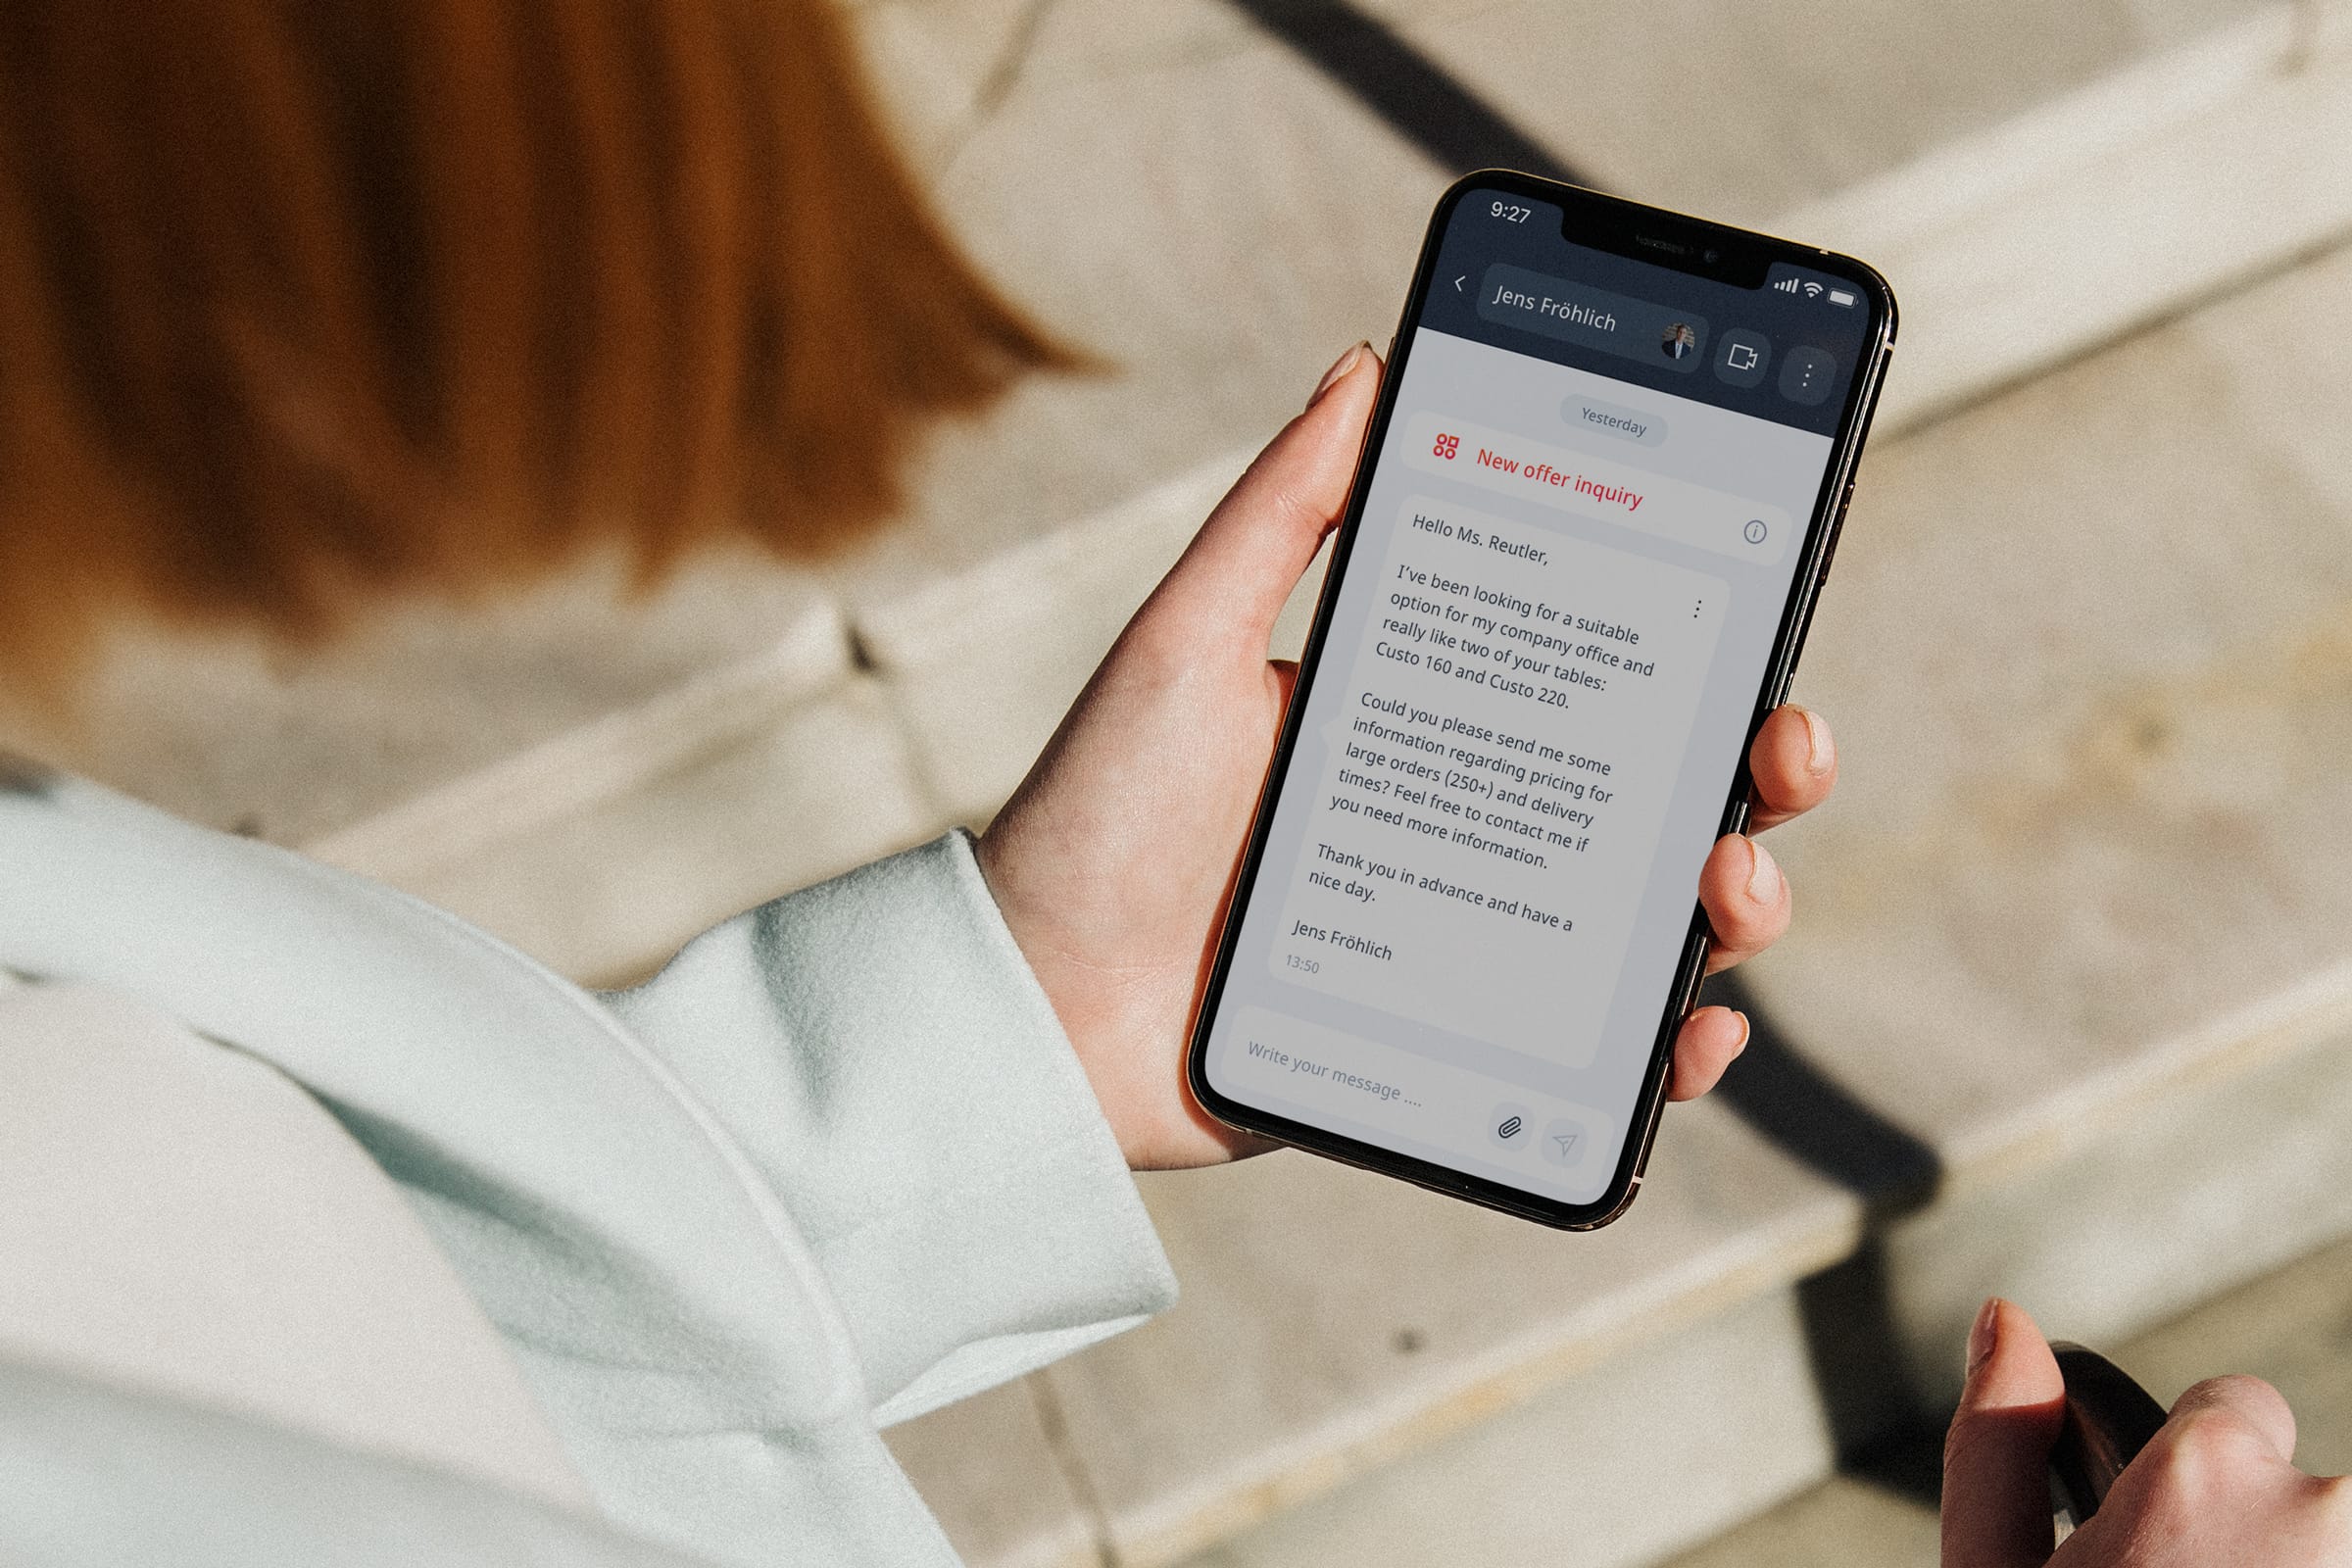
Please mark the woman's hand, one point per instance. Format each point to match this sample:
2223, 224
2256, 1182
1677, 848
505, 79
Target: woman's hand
1113, 861
2216, 1488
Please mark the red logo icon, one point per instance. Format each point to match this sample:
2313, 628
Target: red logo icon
1448, 446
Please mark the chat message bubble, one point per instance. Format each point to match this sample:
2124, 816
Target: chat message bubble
1632, 498
1494, 786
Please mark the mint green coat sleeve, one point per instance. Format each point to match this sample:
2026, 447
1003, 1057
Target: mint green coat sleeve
835, 1166
880, 1050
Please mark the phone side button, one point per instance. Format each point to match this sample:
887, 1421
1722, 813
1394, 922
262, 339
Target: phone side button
1836, 531
1649, 1140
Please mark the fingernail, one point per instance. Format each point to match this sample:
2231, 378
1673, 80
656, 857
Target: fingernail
1763, 876
1984, 1334
1339, 371
1820, 754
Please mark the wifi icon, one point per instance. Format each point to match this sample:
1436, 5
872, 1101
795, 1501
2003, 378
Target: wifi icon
1812, 290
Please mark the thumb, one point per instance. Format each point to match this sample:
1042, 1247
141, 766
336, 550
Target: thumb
1258, 542
1996, 1490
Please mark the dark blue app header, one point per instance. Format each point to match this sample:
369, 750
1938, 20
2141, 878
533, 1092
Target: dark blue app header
1784, 351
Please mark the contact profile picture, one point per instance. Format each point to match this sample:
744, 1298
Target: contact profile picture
1677, 340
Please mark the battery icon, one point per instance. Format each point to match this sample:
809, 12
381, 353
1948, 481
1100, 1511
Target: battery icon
1839, 296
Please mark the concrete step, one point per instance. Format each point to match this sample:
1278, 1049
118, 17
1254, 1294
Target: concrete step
2072, 938
966, 673
2286, 1327
2067, 941
1174, 187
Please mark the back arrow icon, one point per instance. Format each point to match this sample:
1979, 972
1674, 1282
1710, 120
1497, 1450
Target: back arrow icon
1460, 281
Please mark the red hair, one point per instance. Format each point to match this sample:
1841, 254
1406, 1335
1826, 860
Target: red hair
305, 302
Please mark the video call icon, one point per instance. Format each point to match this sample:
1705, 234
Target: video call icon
1742, 356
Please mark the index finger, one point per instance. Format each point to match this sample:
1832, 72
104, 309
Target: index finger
2245, 1403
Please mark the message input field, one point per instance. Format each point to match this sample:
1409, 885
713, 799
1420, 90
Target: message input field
1286, 1059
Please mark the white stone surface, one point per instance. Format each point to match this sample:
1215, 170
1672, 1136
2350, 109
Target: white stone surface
984, 664
1666, 1438
2086, 656
999, 1478
1182, 194
2066, 922
1651, 1451
292, 745
2056, 233
2286, 1328
2134, 1205
1335, 1322
622, 753
2085, 646
607, 893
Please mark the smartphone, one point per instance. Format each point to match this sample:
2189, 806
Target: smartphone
1598, 498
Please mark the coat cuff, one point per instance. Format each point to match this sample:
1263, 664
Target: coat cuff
882, 1052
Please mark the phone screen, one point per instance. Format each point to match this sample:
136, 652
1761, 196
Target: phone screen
1579, 540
